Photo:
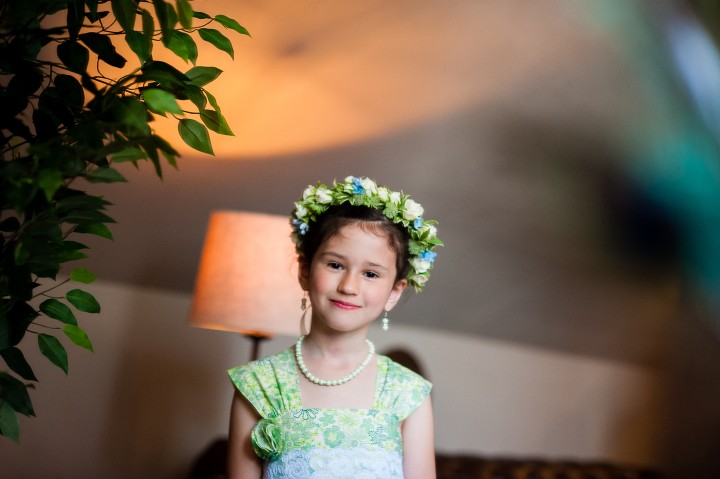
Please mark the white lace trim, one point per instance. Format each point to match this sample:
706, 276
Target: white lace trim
323, 463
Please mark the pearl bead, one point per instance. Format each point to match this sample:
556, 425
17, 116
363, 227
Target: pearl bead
331, 382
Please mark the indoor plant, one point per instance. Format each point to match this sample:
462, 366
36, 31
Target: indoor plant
70, 109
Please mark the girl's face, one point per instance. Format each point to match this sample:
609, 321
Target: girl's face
351, 280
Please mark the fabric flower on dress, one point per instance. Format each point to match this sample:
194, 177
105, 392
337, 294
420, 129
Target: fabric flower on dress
266, 439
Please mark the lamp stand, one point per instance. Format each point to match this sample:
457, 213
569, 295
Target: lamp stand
255, 354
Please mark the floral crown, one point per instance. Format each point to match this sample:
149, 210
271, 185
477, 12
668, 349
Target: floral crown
397, 206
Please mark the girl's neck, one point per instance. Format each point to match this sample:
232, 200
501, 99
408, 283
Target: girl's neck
335, 346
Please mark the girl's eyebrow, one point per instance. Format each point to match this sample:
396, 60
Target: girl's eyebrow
377, 266
343, 257
333, 254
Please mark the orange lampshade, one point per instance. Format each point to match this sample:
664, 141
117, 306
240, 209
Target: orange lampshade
247, 280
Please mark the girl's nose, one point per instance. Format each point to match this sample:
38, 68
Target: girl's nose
348, 284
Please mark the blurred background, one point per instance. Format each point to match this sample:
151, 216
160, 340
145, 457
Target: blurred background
569, 151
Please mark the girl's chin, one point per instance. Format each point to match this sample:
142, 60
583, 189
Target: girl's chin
340, 326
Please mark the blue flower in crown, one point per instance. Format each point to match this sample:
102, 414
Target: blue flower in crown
417, 223
300, 226
428, 256
358, 188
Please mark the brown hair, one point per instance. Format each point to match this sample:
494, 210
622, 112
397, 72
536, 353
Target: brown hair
335, 218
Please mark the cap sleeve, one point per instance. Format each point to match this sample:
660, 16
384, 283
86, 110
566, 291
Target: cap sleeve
404, 390
268, 384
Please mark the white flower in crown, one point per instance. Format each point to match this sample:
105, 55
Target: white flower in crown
369, 185
300, 211
383, 193
418, 280
395, 197
413, 210
308, 193
420, 265
323, 195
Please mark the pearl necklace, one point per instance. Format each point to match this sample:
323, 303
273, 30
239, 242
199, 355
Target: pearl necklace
331, 382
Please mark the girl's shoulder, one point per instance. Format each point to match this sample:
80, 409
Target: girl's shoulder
399, 372
402, 390
282, 360
270, 383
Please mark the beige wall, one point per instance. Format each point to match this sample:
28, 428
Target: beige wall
154, 394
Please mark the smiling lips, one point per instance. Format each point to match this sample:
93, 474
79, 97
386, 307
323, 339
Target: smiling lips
344, 305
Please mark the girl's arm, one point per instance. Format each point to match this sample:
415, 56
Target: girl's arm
419, 443
242, 460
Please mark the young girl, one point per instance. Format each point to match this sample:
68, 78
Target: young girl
329, 407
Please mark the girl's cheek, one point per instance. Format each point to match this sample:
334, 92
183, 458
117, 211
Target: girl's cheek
318, 282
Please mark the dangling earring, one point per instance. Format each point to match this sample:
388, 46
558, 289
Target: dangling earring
385, 322
304, 308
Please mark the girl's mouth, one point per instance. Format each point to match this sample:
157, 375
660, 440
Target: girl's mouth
344, 305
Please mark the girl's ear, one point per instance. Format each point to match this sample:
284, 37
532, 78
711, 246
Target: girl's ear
395, 294
303, 274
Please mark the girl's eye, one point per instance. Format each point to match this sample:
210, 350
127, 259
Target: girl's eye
334, 265
372, 274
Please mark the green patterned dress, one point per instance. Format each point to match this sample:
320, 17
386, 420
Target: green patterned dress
327, 443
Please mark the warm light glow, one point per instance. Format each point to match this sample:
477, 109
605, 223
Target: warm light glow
323, 75
326, 75
247, 280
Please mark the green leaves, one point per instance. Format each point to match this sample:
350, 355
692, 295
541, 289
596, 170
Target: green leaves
74, 56
125, 11
57, 310
131, 154
142, 43
71, 91
15, 393
164, 74
103, 48
201, 76
217, 39
83, 301
129, 114
104, 175
216, 122
232, 24
75, 17
73, 118
182, 45
14, 399
167, 18
15, 321
97, 229
9, 424
78, 336
195, 135
15, 360
51, 348
82, 275
139, 45
161, 101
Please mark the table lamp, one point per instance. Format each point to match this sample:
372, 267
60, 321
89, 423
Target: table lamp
247, 278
